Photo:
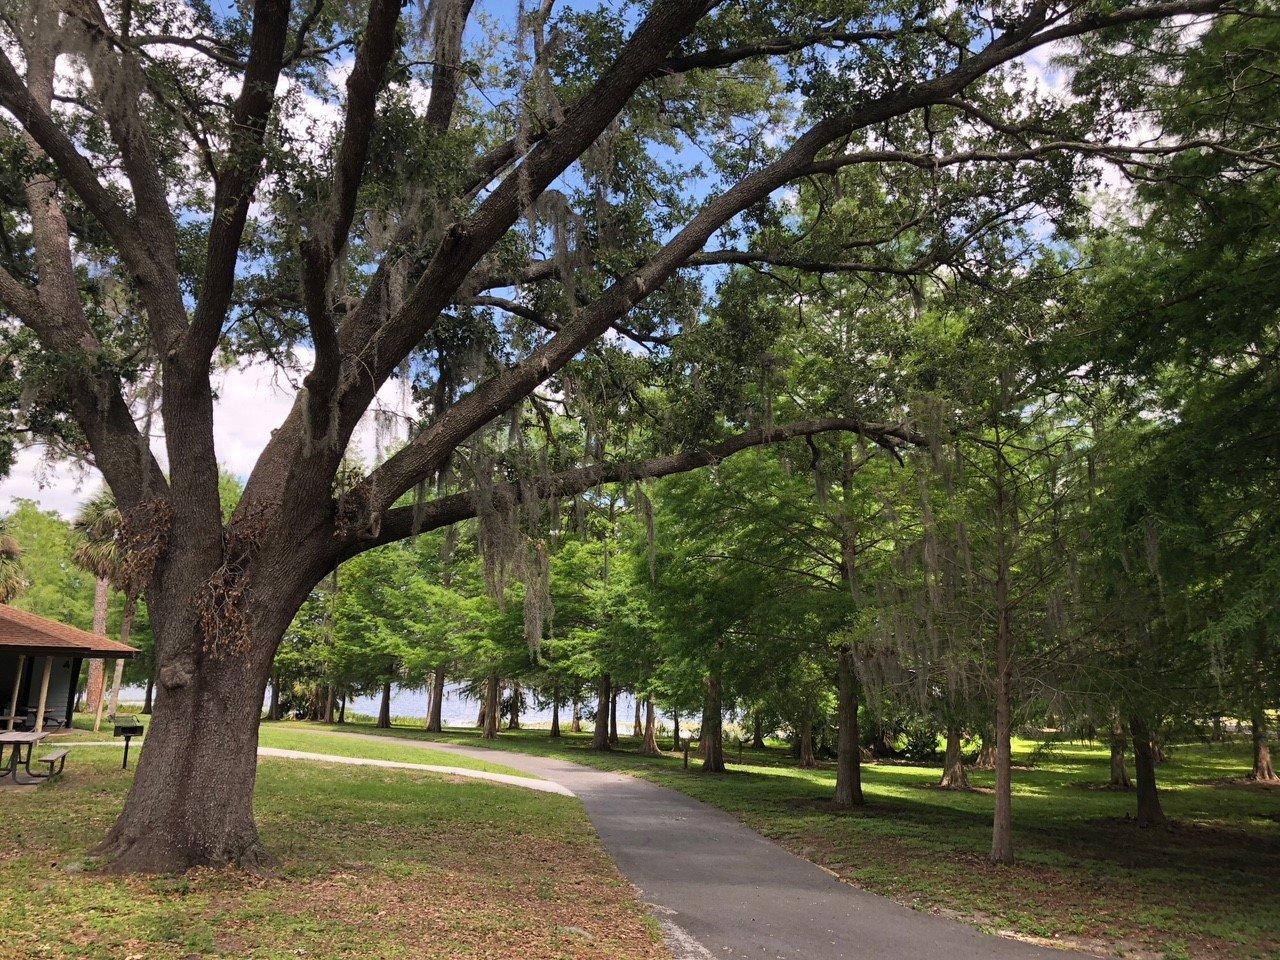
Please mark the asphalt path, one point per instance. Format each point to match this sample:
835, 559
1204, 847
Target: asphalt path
720, 890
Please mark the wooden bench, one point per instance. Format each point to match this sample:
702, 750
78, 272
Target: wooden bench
59, 757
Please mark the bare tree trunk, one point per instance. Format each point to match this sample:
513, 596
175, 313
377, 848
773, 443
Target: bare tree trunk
986, 759
1217, 736
97, 681
848, 750
954, 776
148, 696
575, 722
757, 733
273, 708
675, 730
713, 728
637, 728
650, 745
342, 708
492, 707
1150, 813
1263, 768
805, 732
480, 716
1002, 820
1119, 771
514, 722
384, 708
434, 724
555, 712
613, 716
328, 706
600, 739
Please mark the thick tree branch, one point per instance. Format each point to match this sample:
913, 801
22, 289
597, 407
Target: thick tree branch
402, 522
239, 174
331, 228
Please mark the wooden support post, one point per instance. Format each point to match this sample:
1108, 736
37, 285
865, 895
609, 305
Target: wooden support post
115, 686
17, 685
44, 693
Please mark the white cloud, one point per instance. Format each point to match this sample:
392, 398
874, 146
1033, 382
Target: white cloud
251, 402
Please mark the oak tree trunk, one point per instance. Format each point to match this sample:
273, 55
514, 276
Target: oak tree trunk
1150, 814
600, 738
191, 801
848, 750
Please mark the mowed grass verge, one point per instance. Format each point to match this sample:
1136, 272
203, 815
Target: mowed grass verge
373, 864
1086, 876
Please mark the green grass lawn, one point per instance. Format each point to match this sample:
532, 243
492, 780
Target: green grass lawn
374, 864
1087, 876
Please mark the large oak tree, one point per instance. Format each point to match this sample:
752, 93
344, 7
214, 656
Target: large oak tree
173, 198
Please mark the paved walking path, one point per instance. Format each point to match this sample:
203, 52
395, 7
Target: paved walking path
722, 891
527, 783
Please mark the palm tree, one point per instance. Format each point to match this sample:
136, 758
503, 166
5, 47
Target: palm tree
13, 577
97, 551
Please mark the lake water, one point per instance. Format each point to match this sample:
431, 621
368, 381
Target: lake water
459, 710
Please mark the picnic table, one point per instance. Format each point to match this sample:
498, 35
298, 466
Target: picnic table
17, 739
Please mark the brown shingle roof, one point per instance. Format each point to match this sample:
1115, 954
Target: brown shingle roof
23, 632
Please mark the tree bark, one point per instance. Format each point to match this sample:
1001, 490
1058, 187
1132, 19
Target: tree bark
954, 775
514, 722
650, 746
555, 713
434, 724
613, 716
600, 738
328, 705
848, 750
384, 708
805, 733
492, 708
1150, 813
637, 728
575, 723
342, 708
98, 668
713, 728
1119, 771
148, 696
1264, 769
757, 733
191, 801
1002, 819
675, 730
986, 759
273, 708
